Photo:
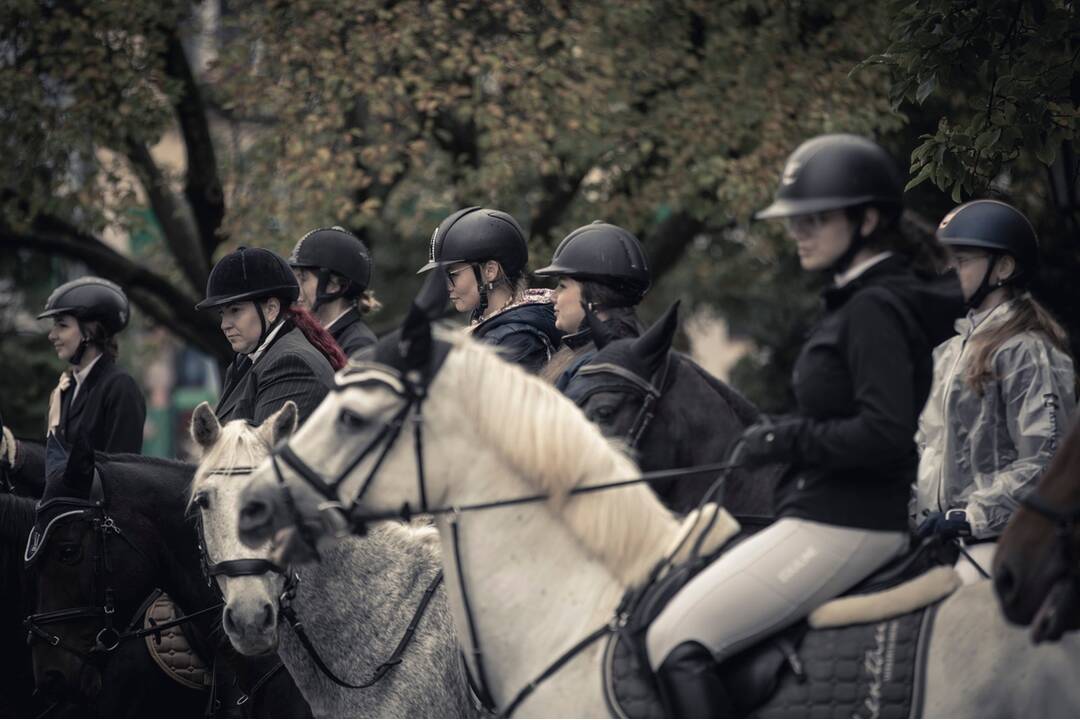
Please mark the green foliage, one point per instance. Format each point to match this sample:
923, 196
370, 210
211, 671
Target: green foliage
1007, 69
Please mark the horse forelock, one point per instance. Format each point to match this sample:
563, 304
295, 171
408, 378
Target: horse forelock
554, 448
238, 445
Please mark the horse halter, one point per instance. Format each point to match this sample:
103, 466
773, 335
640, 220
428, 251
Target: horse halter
239, 567
412, 393
649, 390
108, 638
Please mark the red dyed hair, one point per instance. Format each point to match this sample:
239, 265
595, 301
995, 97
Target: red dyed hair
318, 336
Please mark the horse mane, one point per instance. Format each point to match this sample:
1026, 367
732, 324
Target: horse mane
555, 449
746, 411
16, 518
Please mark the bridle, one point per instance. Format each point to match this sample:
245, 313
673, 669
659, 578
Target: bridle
650, 392
108, 638
412, 393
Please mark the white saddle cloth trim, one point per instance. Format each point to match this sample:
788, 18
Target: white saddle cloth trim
928, 588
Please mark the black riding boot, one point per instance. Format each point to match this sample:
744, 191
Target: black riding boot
690, 684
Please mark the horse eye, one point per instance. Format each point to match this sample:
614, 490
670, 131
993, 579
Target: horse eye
351, 420
202, 500
604, 412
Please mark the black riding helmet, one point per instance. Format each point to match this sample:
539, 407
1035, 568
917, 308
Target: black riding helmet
249, 274
604, 253
999, 229
476, 235
835, 172
334, 250
90, 298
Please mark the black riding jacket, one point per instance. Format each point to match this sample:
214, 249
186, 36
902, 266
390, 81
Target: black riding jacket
860, 382
524, 333
109, 410
351, 332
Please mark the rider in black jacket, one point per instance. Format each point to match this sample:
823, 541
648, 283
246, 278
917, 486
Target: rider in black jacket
860, 382
484, 253
333, 267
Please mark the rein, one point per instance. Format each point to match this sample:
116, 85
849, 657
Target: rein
261, 566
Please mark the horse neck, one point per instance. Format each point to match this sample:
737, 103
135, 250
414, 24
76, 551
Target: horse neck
16, 519
532, 588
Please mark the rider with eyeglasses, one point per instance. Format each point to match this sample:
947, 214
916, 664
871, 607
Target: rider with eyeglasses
859, 384
1004, 386
484, 253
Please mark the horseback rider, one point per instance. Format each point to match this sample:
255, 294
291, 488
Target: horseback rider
333, 267
282, 352
602, 269
94, 397
484, 253
860, 382
1004, 387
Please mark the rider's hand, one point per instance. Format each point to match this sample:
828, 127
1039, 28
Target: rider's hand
952, 524
8, 446
769, 441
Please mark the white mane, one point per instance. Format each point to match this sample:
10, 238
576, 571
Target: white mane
544, 436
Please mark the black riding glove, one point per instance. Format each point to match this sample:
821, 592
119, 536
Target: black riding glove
771, 441
952, 524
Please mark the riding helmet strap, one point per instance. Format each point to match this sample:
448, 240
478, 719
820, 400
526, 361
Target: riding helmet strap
985, 287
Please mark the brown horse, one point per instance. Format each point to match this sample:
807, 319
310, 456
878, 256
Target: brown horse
1037, 566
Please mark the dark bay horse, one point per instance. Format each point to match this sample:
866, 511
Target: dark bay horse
672, 414
16, 674
1037, 564
101, 546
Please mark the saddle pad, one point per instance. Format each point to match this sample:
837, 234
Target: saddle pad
170, 648
864, 671
860, 671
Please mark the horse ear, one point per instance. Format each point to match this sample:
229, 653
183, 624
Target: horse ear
655, 344
281, 424
205, 428
414, 343
598, 329
79, 472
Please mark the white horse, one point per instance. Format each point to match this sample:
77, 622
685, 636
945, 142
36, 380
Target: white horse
539, 577
355, 606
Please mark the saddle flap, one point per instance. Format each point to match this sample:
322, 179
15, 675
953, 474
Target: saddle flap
170, 648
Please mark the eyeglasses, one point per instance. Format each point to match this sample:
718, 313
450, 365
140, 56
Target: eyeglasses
451, 275
807, 224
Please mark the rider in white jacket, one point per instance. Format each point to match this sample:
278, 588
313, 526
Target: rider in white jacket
1004, 387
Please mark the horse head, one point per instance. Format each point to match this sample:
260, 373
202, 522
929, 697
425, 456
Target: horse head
80, 563
250, 582
618, 388
1036, 571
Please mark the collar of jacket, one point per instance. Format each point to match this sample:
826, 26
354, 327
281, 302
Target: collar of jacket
973, 323
344, 320
836, 296
578, 340
540, 296
275, 334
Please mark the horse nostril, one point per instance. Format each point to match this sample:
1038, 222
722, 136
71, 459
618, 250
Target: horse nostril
228, 622
268, 616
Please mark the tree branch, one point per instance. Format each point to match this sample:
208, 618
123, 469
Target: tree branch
155, 295
173, 214
203, 187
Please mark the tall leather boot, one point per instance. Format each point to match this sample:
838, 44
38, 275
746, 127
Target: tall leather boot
690, 684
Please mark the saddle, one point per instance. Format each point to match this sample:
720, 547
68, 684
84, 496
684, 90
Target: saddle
852, 664
170, 648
